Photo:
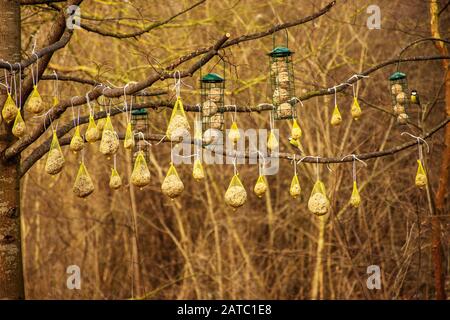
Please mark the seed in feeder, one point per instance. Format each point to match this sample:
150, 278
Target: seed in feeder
295, 190
285, 110
140, 176
55, 161
318, 204
128, 143
401, 98
356, 109
19, 128
336, 117
215, 94
396, 88
178, 127
421, 180
235, 196
115, 182
296, 132
216, 121
10, 110
109, 143
83, 186
198, 173
399, 109
283, 77
76, 143
172, 186
92, 134
279, 66
209, 108
211, 136
272, 142
402, 118
234, 134
260, 188
34, 104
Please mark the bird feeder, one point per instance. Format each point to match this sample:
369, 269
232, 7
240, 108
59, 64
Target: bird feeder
282, 82
212, 88
140, 123
399, 95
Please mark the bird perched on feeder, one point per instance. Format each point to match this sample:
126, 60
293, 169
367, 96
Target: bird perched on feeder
415, 97
295, 143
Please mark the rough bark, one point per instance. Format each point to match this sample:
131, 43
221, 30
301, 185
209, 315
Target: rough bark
436, 241
11, 274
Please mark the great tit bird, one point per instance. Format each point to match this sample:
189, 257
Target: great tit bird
295, 143
415, 97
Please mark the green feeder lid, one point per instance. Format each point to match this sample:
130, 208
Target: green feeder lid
212, 77
280, 52
139, 112
397, 76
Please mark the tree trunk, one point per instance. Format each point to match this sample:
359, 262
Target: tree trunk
436, 242
11, 273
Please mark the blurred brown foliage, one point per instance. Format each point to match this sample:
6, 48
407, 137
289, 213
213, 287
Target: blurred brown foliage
196, 247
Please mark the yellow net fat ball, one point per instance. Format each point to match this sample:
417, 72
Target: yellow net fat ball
178, 123
272, 142
115, 181
110, 141
421, 176
172, 185
92, 134
260, 186
318, 202
296, 132
129, 142
356, 109
294, 189
355, 198
336, 117
234, 134
77, 142
34, 103
55, 158
235, 196
19, 126
9, 110
83, 185
140, 176
197, 172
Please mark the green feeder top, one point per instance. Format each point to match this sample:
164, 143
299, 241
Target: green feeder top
212, 77
280, 52
397, 76
139, 112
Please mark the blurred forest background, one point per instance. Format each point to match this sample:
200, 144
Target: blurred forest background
140, 244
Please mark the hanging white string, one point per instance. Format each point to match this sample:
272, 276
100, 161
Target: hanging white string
178, 82
56, 87
20, 86
295, 165
6, 85
115, 161
234, 164
89, 104
335, 95
34, 77
355, 158
419, 144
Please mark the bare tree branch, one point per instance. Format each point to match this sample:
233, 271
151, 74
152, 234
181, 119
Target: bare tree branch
58, 110
34, 2
136, 34
42, 149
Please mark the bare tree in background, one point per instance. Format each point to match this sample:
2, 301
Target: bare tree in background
14, 167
